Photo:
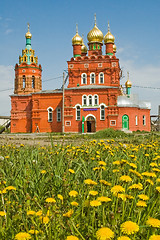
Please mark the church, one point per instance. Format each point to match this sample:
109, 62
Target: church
93, 99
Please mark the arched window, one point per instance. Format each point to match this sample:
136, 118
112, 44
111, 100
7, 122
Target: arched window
84, 78
24, 81
33, 81
31, 59
95, 99
101, 78
50, 114
78, 113
90, 100
84, 100
58, 114
102, 112
92, 78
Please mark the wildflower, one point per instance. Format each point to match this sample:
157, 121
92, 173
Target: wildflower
126, 178
158, 180
34, 232
138, 186
136, 173
60, 197
158, 189
143, 197
23, 236
95, 203
133, 165
10, 188
156, 169
30, 212
104, 233
122, 196
149, 174
105, 182
90, 182
154, 237
116, 189
69, 213
124, 238
153, 222
71, 171
102, 163
153, 164
93, 193
73, 193
115, 170
2, 213
39, 213
104, 199
72, 238
141, 204
75, 204
129, 227
96, 168
44, 220
117, 162
43, 171
50, 200
150, 181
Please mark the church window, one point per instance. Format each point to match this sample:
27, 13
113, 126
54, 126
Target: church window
102, 112
90, 100
58, 114
144, 120
94, 46
92, 78
95, 99
84, 78
84, 100
78, 113
50, 114
25, 59
101, 77
31, 59
24, 81
33, 81
136, 119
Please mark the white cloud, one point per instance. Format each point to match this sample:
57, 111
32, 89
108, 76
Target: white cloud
8, 31
6, 82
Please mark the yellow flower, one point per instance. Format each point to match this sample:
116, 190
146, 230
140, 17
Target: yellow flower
10, 188
154, 237
138, 186
150, 181
32, 231
23, 236
102, 163
90, 182
50, 200
104, 199
136, 173
117, 162
105, 182
129, 227
133, 165
73, 193
75, 204
158, 189
44, 220
39, 213
158, 180
123, 238
60, 197
141, 204
104, 233
93, 193
2, 213
153, 222
143, 197
72, 238
69, 213
156, 169
31, 212
153, 164
43, 171
116, 189
71, 171
149, 174
95, 203
122, 196
126, 178
115, 170
96, 168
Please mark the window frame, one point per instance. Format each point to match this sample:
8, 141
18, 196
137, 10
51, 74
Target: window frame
144, 120
102, 110
50, 114
90, 97
78, 110
24, 81
82, 78
100, 78
136, 120
84, 98
33, 81
91, 78
95, 99
58, 114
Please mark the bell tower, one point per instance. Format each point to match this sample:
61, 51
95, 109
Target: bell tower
28, 72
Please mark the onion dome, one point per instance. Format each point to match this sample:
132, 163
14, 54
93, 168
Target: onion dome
84, 48
109, 38
114, 48
77, 40
28, 34
95, 35
128, 84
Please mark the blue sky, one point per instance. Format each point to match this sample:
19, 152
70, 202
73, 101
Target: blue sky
134, 23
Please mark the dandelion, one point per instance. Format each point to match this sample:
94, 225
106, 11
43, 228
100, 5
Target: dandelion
22, 236
2, 213
158, 180
75, 204
104, 199
117, 162
60, 197
95, 203
149, 174
143, 197
116, 189
31, 213
69, 213
138, 186
105, 182
123, 238
71, 171
104, 233
90, 182
125, 178
72, 238
50, 200
129, 227
34, 232
115, 170
39, 213
102, 163
93, 193
10, 188
154, 237
150, 181
141, 204
133, 165
153, 222
73, 193
153, 164
43, 171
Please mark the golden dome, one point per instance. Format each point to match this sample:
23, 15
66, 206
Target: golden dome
109, 38
77, 40
128, 84
84, 48
95, 35
114, 48
28, 34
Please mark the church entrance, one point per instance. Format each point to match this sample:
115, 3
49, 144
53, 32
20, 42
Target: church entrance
90, 124
125, 122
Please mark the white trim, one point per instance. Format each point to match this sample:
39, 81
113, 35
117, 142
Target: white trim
82, 78
59, 120
83, 100
100, 78
114, 122
101, 113
103, 105
68, 122
76, 112
49, 113
77, 105
88, 100
95, 95
91, 78
90, 115
136, 119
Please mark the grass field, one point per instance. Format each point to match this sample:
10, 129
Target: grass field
97, 189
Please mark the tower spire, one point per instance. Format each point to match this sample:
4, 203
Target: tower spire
28, 27
76, 27
108, 27
95, 20
128, 75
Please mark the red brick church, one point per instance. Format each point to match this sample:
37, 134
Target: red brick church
92, 101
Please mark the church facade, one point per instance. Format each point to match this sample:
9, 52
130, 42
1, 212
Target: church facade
93, 100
